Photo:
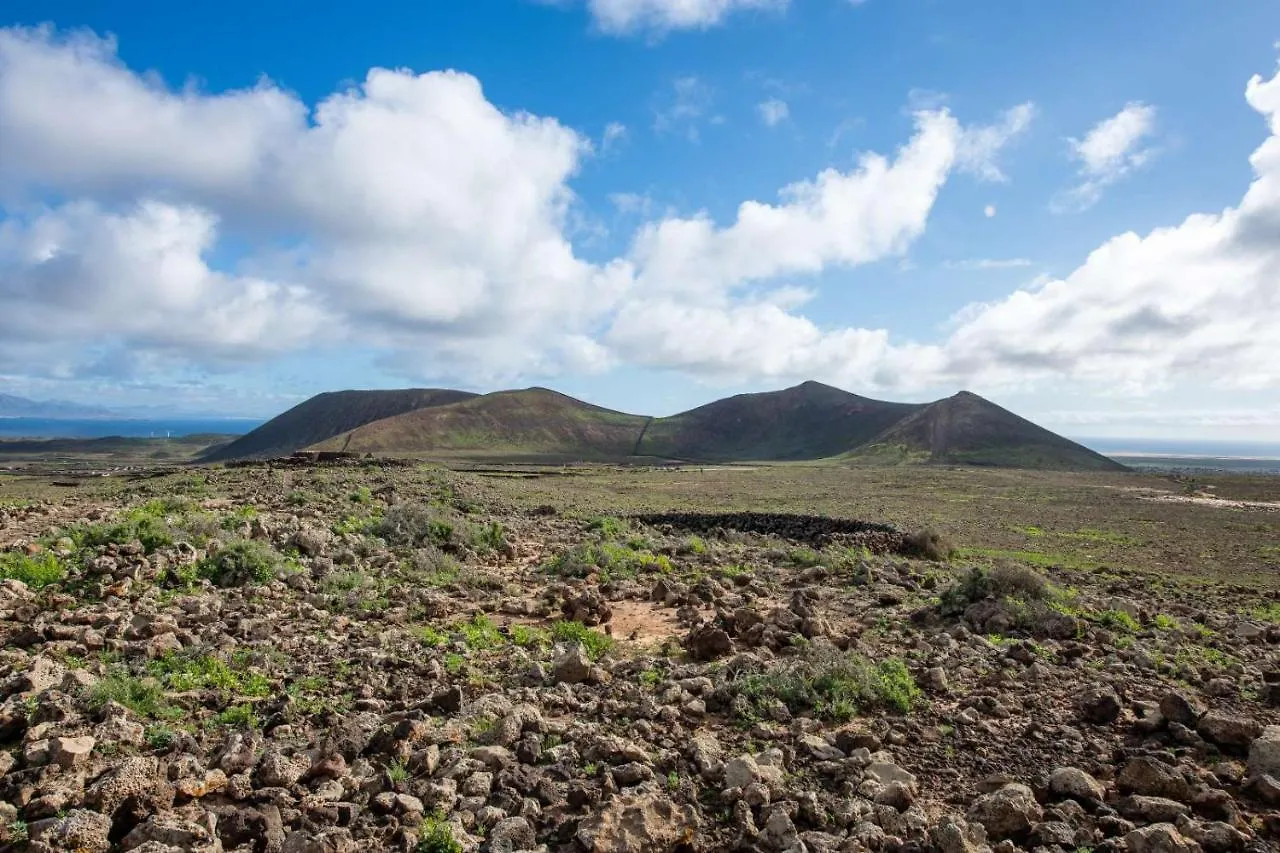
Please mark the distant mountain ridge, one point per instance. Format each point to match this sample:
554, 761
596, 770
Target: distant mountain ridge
20, 407
810, 421
326, 415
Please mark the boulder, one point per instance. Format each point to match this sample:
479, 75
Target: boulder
1159, 838
1178, 708
1264, 753
708, 642
572, 667
641, 823
1100, 706
1230, 731
71, 752
1008, 813
1074, 783
1152, 778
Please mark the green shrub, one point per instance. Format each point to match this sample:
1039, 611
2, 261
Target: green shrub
480, 633
435, 836
526, 636
430, 636
36, 571
1118, 620
594, 643
416, 525
804, 557
610, 559
833, 686
160, 736
151, 531
432, 567
608, 526
184, 671
244, 561
1005, 580
487, 538
237, 717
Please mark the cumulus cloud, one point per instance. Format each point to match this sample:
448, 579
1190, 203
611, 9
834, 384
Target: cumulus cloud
622, 17
409, 207
871, 211
773, 111
408, 216
1110, 151
1192, 300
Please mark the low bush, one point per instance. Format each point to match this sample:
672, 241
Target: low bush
610, 559
929, 544
594, 643
1002, 581
244, 561
36, 571
831, 685
415, 525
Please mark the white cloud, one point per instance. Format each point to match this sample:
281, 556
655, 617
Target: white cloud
839, 218
615, 133
989, 211
682, 108
632, 204
621, 17
1193, 302
979, 147
773, 111
1110, 151
411, 217
988, 264
409, 207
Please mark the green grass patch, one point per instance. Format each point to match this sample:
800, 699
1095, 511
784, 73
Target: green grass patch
36, 571
237, 717
436, 836
481, 633
430, 636
529, 637
144, 697
180, 672
594, 643
608, 526
609, 559
833, 687
1269, 612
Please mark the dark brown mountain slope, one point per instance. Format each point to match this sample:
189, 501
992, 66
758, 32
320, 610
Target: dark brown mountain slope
326, 415
808, 421
535, 422
965, 429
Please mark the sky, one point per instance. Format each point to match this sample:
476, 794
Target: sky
1072, 209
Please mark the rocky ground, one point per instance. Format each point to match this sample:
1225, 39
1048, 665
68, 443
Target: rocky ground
366, 657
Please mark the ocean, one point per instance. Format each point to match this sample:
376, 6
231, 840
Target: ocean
1243, 457
127, 428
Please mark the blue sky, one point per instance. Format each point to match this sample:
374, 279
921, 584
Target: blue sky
648, 203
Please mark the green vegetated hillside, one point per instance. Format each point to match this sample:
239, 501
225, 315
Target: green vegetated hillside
810, 421
532, 422
967, 430
326, 415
